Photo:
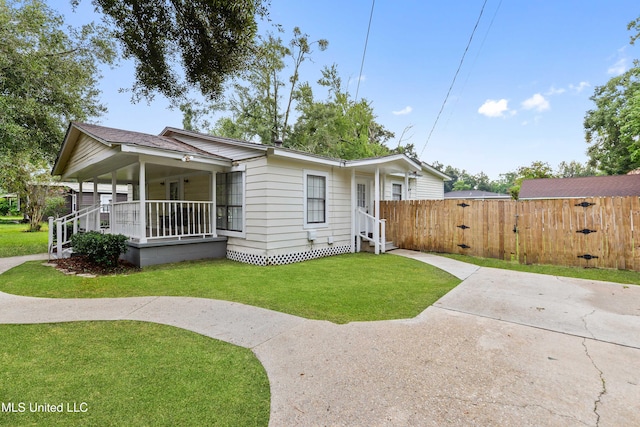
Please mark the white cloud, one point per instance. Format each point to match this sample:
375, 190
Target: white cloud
618, 68
536, 102
555, 91
406, 110
494, 108
579, 87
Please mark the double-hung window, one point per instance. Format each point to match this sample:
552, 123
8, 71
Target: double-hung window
396, 191
315, 199
229, 201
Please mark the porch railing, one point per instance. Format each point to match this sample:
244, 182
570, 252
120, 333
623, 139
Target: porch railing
371, 229
61, 229
164, 219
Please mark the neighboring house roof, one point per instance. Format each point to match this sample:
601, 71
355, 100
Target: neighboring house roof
475, 194
588, 186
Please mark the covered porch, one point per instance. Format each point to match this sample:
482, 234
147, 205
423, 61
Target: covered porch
171, 198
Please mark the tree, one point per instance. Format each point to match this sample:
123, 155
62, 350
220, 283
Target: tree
258, 107
48, 77
30, 180
206, 40
574, 169
536, 170
339, 126
613, 128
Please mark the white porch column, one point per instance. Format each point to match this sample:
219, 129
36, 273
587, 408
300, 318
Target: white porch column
376, 196
405, 192
79, 197
214, 230
96, 201
354, 207
142, 182
114, 193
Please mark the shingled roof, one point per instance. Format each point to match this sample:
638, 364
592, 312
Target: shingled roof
120, 136
588, 186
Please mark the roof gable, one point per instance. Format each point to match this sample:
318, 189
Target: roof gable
588, 186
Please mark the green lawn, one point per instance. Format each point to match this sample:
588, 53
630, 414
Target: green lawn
607, 275
341, 289
15, 240
128, 373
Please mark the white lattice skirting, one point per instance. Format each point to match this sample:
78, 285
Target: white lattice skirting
282, 259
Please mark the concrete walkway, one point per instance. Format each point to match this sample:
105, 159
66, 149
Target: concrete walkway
502, 348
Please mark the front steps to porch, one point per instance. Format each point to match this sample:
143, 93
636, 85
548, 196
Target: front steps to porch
369, 246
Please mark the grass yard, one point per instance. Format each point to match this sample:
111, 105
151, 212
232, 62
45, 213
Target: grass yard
607, 275
341, 289
15, 240
128, 373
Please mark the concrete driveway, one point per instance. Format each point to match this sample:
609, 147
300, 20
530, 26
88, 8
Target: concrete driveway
503, 348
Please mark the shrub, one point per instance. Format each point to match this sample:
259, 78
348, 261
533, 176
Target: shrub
55, 206
102, 249
4, 207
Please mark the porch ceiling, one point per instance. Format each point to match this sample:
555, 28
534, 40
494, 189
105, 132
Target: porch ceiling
127, 169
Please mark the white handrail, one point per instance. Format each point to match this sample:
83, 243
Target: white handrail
371, 229
89, 216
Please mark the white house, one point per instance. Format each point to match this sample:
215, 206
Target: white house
201, 196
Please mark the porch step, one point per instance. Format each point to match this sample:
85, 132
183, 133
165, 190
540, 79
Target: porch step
389, 246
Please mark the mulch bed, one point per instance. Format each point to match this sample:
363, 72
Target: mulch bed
81, 265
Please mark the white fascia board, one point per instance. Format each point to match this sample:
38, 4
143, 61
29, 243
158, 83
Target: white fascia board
435, 171
307, 158
174, 155
384, 160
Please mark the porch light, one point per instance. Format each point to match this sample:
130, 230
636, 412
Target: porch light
187, 158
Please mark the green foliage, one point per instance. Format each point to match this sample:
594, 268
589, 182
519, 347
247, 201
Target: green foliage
204, 40
48, 77
612, 128
30, 179
4, 207
338, 127
55, 206
102, 249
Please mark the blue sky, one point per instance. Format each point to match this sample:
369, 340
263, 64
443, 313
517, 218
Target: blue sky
520, 96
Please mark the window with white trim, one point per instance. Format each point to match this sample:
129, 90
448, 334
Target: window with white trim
396, 191
229, 201
315, 199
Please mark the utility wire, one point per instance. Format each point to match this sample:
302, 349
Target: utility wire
364, 53
454, 78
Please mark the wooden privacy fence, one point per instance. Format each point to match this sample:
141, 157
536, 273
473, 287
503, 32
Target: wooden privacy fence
589, 232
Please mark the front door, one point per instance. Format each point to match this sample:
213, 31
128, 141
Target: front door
363, 195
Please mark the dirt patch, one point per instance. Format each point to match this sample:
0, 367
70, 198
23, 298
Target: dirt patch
79, 264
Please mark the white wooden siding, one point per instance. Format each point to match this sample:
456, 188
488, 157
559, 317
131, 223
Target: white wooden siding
429, 187
274, 208
85, 151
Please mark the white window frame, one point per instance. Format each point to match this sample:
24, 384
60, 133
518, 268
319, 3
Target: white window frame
305, 174
105, 199
401, 189
243, 233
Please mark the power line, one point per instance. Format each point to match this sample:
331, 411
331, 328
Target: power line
454, 77
366, 42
